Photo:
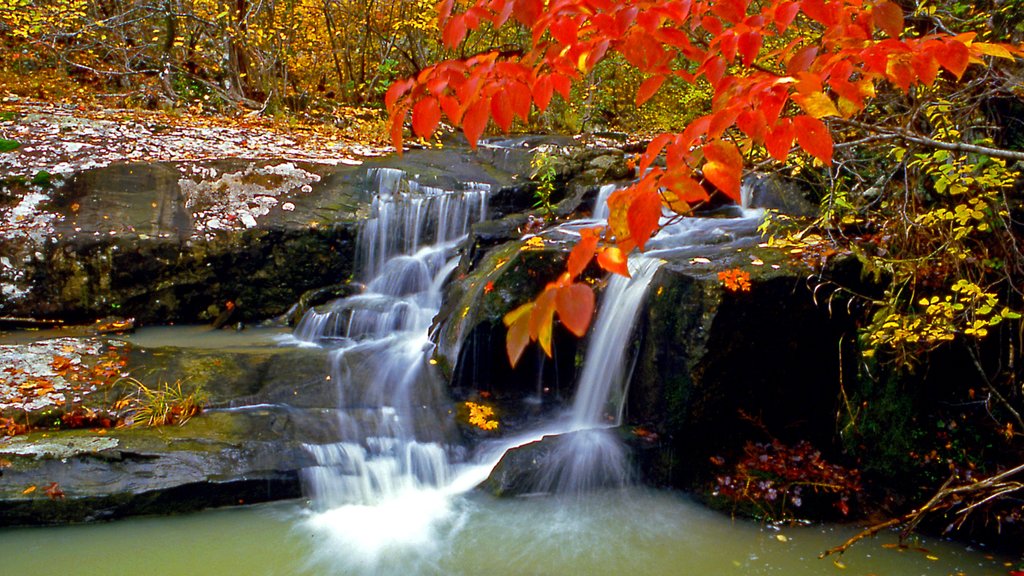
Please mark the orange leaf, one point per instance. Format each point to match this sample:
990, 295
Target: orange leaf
649, 88
575, 305
501, 110
954, 56
518, 322
780, 140
474, 121
582, 253
724, 167
516, 340
888, 17
29, 490
542, 317
425, 116
814, 137
613, 260
816, 104
643, 216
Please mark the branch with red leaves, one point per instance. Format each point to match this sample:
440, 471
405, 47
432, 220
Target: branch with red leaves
826, 60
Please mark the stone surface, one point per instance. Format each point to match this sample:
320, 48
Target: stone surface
175, 242
246, 446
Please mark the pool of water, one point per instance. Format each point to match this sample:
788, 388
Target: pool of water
637, 531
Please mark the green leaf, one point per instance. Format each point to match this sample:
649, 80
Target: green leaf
42, 178
8, 145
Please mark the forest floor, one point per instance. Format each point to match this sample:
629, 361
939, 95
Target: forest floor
62, 138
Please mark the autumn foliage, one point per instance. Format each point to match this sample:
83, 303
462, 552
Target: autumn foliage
778, 70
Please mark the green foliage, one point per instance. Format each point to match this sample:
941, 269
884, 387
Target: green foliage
543, 166
165, 404
42, 178
8, 145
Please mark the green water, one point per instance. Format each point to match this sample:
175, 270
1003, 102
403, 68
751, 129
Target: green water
638, 532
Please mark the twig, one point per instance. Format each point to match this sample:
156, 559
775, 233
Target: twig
990, 488
914, 138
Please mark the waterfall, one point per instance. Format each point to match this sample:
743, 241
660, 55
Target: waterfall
605, 376
389, 422
600, 211
590, 454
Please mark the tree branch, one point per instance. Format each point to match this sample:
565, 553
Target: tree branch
986, 489
914, 138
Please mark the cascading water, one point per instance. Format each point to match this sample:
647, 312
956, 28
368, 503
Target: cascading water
392, 442
387, 483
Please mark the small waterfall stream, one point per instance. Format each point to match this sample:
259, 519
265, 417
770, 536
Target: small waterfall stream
391, 437
389, 479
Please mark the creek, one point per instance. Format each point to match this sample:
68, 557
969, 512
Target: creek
635, 531
391, 491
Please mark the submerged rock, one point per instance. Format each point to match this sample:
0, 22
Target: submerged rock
570, 463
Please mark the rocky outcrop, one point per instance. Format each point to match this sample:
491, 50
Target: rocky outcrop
175, 242
245, 447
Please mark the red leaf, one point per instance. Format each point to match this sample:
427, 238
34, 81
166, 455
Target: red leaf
397, 89
954, 56
780, 140
814, 137
396, 129
613, 260
543, 89
714, 69
519, 96
450, 107
888, 17
425, 116
784, 15
454, 31
562, 84
582, 253
648, 88
474, 121
749, 45
501, 110
724, 167
527, 11
643, 216
575, 305
753, 124
731, 10
802, 60
926, 67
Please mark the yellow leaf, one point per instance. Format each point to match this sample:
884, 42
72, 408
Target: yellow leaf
997, 50
816, 104
29, 490
534, 243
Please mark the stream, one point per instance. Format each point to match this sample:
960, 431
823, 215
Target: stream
635, 531
391, 491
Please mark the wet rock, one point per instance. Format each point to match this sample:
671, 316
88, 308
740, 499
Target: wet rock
570, 463
717, 368
176, 242
775, 192
245, 447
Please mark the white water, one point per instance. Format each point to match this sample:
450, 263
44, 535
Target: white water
382, 483
389, 483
